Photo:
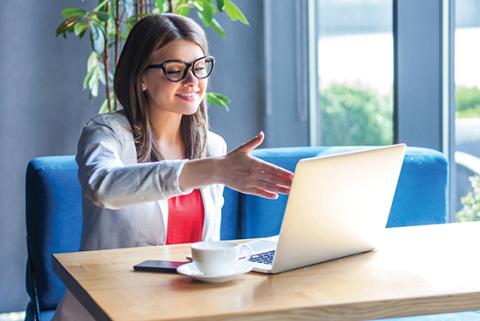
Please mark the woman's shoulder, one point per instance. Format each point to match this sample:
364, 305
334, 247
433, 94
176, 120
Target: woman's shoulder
116, 120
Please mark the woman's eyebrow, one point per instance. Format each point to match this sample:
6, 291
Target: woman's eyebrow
178, 59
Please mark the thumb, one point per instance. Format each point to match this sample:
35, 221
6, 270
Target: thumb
252, 143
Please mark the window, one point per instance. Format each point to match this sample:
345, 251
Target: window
467, 120
355, 72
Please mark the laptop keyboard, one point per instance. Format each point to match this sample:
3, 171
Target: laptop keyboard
264, 258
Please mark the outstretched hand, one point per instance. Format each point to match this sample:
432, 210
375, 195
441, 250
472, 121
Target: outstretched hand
251, 175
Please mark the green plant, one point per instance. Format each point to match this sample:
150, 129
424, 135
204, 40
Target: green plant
355, 115
467, 101
471, 203
107, 27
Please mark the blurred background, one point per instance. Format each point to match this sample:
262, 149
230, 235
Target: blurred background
307, 72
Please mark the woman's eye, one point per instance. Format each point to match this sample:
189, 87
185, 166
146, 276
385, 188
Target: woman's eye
173, 72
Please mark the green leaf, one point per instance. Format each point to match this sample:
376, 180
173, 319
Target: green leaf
66, 26
103, 16
88, 77
104, 107
111, 27
181, 7
80, 28
218, 99
97, 37
197, 6
101, 73
123, 36
92, 61
221, 5
183, 10
130, 23
93, 83
95, 74
217, 27
73, 12
101, 5
235, 13
208, 12
159, 4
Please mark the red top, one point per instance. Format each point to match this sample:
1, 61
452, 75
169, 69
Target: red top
185, 218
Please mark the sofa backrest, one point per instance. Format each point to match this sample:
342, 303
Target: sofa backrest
54, 221
420, 198
54, 206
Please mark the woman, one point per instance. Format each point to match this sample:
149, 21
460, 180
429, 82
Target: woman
153, 173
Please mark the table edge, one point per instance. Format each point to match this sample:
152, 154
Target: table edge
72, 285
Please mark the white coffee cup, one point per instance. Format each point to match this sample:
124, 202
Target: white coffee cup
217, 257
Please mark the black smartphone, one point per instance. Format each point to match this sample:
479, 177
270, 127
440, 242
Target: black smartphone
158, 266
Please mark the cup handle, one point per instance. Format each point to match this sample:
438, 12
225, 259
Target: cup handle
243, 258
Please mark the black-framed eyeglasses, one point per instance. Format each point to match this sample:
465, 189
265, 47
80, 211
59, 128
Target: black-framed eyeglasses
177, 70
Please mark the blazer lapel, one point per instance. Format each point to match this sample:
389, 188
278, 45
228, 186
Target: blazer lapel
163, 209
208, 211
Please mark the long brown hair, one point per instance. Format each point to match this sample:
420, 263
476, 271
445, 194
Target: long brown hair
149, 34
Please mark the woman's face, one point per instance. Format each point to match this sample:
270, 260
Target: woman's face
183, 97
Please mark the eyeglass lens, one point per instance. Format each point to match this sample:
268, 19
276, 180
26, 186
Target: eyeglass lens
201, 69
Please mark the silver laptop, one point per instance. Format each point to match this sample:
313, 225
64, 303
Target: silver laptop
338, 206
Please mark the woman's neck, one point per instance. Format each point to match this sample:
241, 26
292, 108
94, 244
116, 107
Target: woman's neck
167, 134
166, 126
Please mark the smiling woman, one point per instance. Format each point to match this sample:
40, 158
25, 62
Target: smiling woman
152, 173
168, 39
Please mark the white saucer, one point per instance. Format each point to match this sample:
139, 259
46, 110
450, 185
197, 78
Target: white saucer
191, 270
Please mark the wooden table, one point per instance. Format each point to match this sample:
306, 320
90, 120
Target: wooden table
416, 270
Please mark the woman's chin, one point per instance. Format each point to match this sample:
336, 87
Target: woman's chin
189, 109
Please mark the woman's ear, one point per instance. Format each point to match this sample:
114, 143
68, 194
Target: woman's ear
144, 84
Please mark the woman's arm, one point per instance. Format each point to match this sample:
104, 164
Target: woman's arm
238, 170
110, 183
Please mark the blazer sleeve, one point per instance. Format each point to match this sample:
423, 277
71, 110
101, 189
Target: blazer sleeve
222, 151
110, 183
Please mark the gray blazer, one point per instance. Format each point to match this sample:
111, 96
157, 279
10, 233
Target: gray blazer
124, 202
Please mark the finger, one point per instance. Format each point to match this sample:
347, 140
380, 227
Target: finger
263, 193
274, 179
271, 169
272, 187
251, 144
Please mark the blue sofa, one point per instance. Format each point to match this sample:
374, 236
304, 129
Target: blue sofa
54, 212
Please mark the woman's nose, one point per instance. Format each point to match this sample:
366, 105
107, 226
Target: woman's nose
190, 78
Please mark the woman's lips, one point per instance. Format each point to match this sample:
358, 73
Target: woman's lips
187, 96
